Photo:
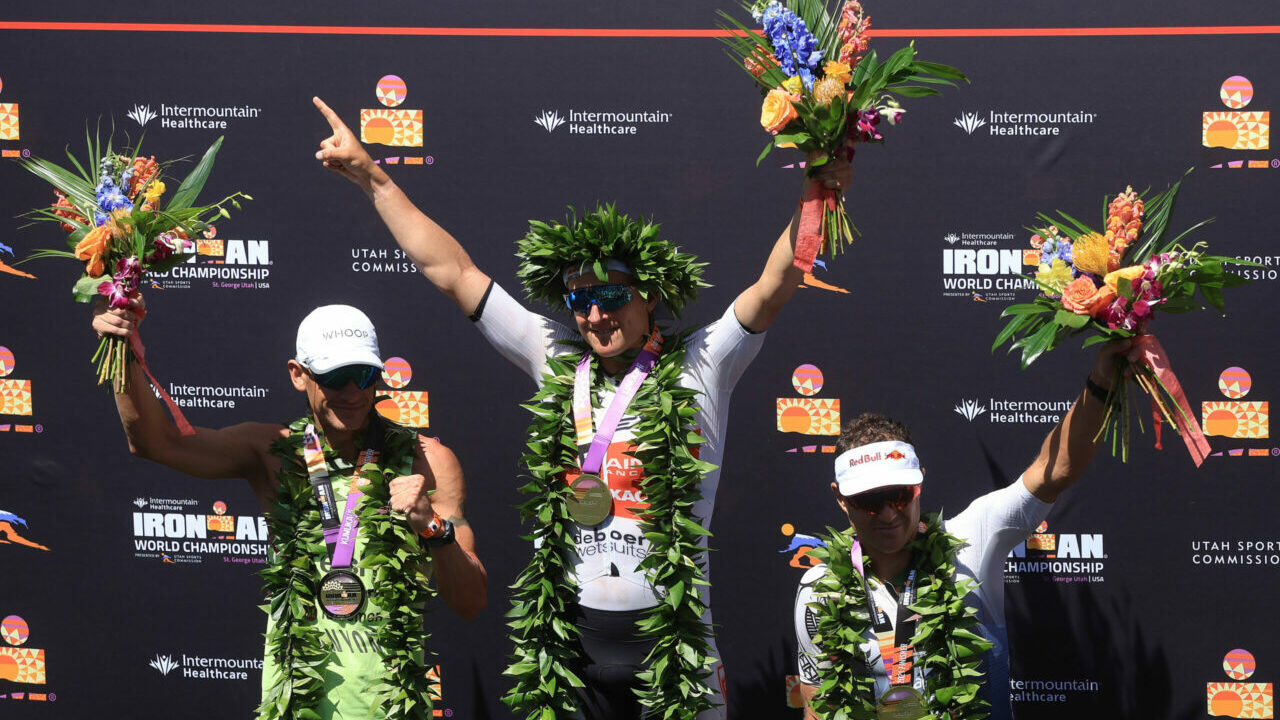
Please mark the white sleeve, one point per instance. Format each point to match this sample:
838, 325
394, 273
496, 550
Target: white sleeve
806, 624
720, 352
992, 526
519, 335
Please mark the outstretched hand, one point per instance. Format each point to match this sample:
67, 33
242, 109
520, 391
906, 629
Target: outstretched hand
1104, 368
342, 152
121, 322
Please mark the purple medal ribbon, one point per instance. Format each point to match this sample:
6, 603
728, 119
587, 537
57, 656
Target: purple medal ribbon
627, 389
339, 537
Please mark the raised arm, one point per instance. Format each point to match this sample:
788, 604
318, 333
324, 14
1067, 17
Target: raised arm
759, 304
234, 451
1069, 448
434, 251
460, 577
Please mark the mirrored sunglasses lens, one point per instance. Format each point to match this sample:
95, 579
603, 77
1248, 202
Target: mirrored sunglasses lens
362, 375
606, 297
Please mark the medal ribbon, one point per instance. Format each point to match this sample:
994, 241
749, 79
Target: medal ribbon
896, 649
340, 537
627, 389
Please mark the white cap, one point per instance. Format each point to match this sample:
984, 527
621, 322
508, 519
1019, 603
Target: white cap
336, 335
877, 465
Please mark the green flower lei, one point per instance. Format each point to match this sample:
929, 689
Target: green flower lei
657, 266
541, 617
946, 644
398, 586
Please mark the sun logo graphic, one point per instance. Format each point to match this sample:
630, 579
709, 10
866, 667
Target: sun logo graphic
15, 396
1236, 418
9, 533
1238, 129
407, 408
9, 127
392, 125
1240, 699
24, 666
799, 547
549, 120
220, 521
808, 415
969, 122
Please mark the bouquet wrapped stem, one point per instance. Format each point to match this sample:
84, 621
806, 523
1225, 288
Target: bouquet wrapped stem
113, 358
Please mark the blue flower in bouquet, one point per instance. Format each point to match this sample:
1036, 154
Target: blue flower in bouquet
793, 45
1055, 248
110, 199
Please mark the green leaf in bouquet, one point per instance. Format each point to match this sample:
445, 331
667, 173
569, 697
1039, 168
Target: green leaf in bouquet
940, 70
1213, 296
1026, 309
1066, 318
1094, 340
1077, 228
1019, 324
800, 138
763, 153
86, 288
913, 90
1124, 287
1156, 212
185, 196
80, 193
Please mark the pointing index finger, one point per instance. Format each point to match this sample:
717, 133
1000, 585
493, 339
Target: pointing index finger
335, 122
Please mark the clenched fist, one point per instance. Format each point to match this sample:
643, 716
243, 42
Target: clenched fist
411, 498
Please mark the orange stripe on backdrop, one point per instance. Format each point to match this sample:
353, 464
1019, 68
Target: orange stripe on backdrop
623, 32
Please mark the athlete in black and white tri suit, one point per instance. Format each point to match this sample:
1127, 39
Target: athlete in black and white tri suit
611, 590
877, 486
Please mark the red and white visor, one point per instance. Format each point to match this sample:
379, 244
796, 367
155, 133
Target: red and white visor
877, 465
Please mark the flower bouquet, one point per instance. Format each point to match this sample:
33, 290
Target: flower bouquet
824, 92
119, 227
1109, 285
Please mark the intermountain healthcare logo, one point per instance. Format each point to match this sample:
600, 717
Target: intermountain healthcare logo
808, 415
10, 535
981, 267
1240, 699
1007, 124
392, 125
206, 668
1057, 557
193, 117
164, 530
1051, 691
407, 408
1000, 411
21, 665
1236, 128
593, 122
214, 396
1238, 419
229, 264
15, 397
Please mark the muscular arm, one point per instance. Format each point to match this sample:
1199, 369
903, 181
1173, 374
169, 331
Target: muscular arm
460, 577
1069, 447
759, 304
232, 452
434, 251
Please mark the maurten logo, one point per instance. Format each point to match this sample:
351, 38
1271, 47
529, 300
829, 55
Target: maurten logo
164, 663
970, 409
969, 122
549, 120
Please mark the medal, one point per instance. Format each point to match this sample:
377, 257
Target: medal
341, 594
901, 702
591, 502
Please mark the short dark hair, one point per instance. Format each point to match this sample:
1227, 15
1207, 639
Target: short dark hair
869, 428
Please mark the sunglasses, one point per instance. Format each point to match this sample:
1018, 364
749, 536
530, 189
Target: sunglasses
873, 501
337, 379
606, 297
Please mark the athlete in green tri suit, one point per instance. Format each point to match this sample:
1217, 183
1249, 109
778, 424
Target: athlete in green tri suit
421, 481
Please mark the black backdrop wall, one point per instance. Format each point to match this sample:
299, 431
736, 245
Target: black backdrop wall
1157, 571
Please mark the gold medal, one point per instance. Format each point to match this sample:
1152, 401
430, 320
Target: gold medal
591, 502
901, 702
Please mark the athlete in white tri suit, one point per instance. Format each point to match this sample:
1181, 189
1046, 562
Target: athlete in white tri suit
612, 592
877, 486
